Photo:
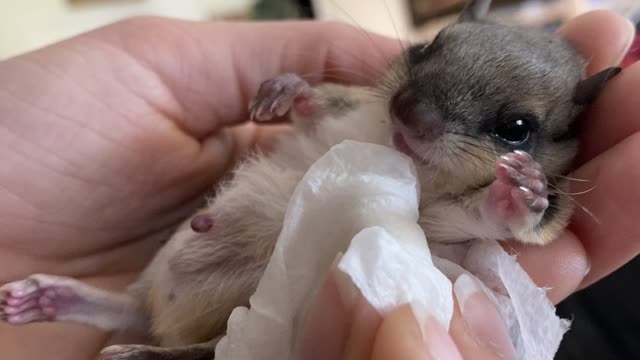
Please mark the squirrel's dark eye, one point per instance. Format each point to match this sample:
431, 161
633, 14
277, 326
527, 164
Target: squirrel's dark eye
514, 131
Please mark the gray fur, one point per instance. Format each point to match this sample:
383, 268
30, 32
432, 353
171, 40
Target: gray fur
473, 77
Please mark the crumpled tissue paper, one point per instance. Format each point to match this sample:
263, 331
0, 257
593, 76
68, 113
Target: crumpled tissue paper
362, 200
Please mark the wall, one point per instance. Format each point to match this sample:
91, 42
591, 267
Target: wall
386, 17
28, 24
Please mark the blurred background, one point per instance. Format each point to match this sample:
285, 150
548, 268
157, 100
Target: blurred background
606, 317
28, 24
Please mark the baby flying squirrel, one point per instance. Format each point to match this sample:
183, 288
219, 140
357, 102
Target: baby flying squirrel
487, 112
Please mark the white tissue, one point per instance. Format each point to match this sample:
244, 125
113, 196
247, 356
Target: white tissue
362, 200
377, 264
535, 329
529, 316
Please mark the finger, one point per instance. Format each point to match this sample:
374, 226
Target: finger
603, 37
609, 231
365, 323
400, 337
559, 266
476, 327
614, 116
326, 326
213, 69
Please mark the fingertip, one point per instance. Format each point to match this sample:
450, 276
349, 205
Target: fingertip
484, 332
365, 323
326, 326
439, 343
613, 117
602, 36
559, 266
399, 337
606, 221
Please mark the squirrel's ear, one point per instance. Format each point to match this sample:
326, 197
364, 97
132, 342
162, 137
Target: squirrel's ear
474, 10
588, 90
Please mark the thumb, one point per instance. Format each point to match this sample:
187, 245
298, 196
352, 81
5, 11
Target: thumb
213, 68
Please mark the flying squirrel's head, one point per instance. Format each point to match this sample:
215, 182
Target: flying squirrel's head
480, 90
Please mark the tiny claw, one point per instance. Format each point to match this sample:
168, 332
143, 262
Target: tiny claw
202, 223
515, 163
274, 105
525, 190
522, 153
516, 178
260, 113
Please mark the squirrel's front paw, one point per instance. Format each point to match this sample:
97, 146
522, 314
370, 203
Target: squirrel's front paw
517, 198
277, 96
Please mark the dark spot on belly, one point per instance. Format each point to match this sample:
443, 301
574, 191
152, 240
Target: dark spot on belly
202, 223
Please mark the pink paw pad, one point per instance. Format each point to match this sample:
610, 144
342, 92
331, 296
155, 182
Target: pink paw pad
520, 188
27, 301
279, 95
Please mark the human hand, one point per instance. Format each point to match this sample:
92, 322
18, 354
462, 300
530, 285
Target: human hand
129, 124
112, 137
338, 327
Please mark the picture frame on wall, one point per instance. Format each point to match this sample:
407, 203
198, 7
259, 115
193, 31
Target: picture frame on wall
540, 13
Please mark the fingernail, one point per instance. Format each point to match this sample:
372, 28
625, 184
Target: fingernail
403, 336
587, 270
465, 287
484, 323
631, 35
435, 334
